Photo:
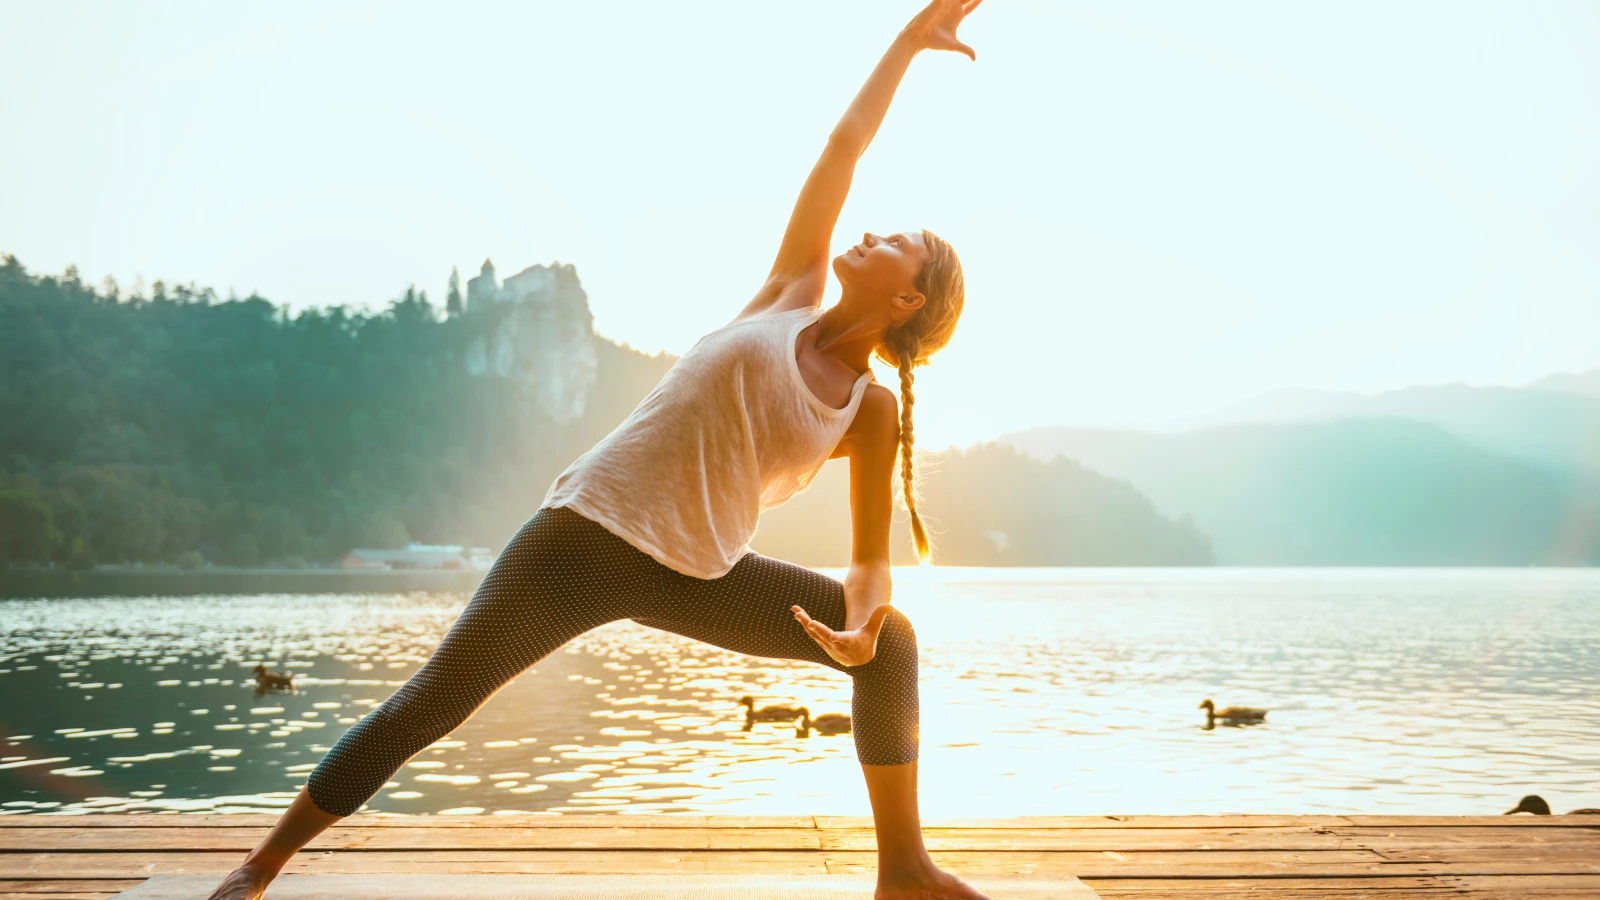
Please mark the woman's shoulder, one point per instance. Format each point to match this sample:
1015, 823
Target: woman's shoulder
880, 400
879, 412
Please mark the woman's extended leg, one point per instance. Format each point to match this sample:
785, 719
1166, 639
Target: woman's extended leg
747, 610
560, 576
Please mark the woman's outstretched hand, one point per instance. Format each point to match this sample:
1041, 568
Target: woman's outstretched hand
849, 648
935, 27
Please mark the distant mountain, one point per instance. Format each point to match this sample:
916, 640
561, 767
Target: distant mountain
1571, 382
1344, 492
1557, 430
993, 506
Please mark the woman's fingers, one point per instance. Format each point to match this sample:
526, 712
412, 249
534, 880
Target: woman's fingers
818, 631
969, 6
803, 617
851, 648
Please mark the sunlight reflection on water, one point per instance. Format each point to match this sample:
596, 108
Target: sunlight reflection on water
1045, 692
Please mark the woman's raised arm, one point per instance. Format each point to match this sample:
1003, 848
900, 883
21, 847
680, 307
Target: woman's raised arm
800, 272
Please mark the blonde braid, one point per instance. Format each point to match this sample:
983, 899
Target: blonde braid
908, 478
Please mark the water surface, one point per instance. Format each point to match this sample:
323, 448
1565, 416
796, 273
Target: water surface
1045, 692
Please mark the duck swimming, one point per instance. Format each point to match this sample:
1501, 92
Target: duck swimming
1533, 803
827, 723
1232, 715
768, 713
266, 681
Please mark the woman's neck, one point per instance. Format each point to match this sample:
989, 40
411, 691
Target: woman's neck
848, 338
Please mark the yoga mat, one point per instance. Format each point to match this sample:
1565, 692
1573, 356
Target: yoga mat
592, 887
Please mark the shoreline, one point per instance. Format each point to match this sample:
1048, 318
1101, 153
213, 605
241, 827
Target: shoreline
129, 580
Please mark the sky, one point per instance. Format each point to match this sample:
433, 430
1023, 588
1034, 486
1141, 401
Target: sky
1161, 208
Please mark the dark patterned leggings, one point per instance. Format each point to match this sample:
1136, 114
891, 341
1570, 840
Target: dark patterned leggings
562, 575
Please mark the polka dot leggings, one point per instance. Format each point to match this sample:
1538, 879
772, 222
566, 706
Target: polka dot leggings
562, 575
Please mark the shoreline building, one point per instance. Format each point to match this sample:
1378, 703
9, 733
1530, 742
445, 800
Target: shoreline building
419, 556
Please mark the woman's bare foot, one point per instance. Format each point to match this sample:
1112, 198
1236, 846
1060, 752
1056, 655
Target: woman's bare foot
247, 882
931, 885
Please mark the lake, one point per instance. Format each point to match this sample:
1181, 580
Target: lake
1044, 692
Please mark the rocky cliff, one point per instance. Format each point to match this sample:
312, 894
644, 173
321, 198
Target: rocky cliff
542, 334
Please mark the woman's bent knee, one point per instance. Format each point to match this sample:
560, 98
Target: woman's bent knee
897, 643
886, 704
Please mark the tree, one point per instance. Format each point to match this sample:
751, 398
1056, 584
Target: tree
27, 534
452, 300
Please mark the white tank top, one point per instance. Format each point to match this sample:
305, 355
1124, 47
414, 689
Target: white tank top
730, 431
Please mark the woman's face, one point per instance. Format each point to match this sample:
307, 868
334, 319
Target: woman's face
882, 268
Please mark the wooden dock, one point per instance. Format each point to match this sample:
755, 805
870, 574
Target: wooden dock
1145, 857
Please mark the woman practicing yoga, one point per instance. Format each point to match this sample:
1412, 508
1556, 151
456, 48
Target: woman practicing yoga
653, 524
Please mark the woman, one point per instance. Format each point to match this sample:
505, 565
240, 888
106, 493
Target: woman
653, 523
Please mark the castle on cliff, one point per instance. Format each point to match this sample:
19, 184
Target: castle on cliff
545, 338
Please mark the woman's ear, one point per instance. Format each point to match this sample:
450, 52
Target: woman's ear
907, 304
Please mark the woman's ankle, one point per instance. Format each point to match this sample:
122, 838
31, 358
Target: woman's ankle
261, 867
911, 869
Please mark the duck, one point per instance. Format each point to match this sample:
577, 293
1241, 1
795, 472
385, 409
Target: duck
767, 713
827, 723
1232, 715
1533, 803
266, 681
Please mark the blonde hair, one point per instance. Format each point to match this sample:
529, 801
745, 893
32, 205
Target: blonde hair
912, 343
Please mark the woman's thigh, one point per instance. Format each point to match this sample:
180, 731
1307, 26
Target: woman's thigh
748, 609
559, 576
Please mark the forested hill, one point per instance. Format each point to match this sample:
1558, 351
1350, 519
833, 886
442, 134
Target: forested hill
138, 428
148, 428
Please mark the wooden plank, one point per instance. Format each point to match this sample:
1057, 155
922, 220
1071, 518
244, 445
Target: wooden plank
1376, 888
1061, 839
1545, 887
242, 840
68, 886
360, 838
1041, 822
1572, 858
1476, 821
357, 838
1214, 864
354, 837
58, 895
250, 820
124, 865
592, 886
1470, 887
1470, 835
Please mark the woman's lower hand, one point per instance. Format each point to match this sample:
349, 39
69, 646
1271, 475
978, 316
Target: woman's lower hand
856, 647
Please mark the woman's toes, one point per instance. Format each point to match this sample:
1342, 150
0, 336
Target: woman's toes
941, 886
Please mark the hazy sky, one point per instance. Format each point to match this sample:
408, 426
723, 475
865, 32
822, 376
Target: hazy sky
1160, 207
